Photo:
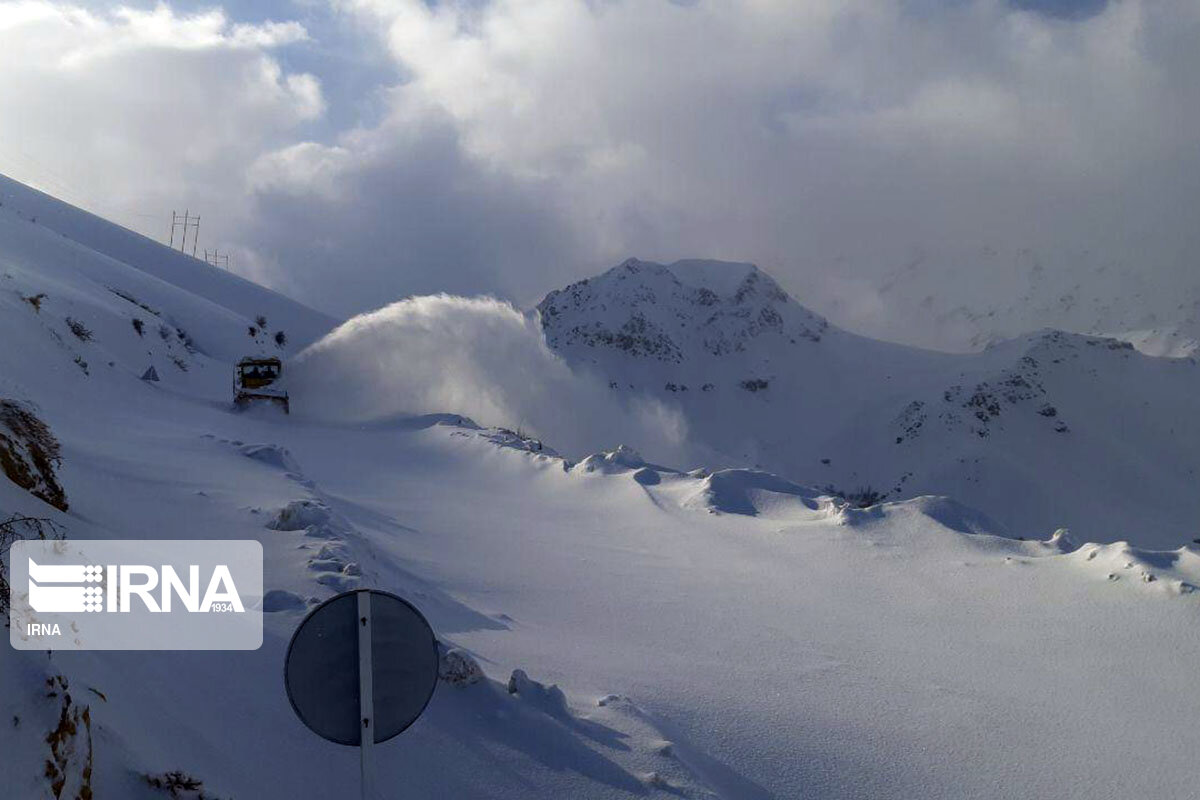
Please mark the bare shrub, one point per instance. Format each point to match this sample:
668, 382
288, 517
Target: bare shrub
29, 453
179, 784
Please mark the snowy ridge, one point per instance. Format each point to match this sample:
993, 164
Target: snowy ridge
762, 382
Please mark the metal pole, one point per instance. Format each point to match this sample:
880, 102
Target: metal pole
172, 244
195, 236
366, 697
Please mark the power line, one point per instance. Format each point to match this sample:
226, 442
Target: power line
21, 166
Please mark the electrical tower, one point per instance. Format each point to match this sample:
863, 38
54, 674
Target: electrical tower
187, 222
216, 258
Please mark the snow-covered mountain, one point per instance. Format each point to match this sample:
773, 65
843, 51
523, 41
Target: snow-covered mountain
1087, 432
610, 628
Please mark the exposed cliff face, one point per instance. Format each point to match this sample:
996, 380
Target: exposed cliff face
29, 454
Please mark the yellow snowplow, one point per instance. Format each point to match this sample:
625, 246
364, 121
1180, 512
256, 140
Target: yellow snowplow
257, 378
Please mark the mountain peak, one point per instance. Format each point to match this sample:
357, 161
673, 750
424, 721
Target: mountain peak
675, 313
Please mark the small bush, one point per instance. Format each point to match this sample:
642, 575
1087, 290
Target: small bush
260, 321
186, 338
253, 331
865, 497
35, 300
178, 784
139, 326
280, 338
164, 332
79, 329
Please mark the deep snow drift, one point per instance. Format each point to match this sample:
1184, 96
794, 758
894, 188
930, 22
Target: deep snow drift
613, 627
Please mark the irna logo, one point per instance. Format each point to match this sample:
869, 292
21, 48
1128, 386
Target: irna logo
136, 595
120, 584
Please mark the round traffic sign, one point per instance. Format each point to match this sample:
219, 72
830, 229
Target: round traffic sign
381, 632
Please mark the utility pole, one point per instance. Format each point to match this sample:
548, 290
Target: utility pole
186, 222
217, 259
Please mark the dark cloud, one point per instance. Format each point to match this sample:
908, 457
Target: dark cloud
419, 217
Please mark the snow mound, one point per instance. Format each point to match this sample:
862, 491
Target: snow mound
951, 514
458, 668
1063, 540
511, 440
751, 493
1171, 571
549, 699
270, 454
300, 515
647, 476
282, 600
622, 459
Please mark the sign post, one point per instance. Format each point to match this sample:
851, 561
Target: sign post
360, 669
366, 699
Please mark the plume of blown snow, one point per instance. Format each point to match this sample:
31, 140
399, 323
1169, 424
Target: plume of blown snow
479, 357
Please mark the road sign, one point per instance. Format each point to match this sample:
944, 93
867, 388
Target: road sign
360, 669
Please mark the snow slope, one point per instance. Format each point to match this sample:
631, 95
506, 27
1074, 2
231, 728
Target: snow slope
1047, 430
726, 634
92, 250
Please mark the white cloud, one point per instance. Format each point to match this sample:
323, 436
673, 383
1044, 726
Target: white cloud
134, 112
